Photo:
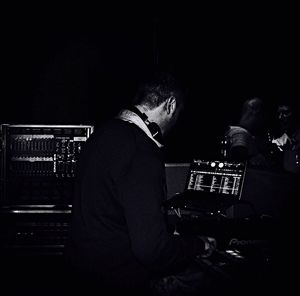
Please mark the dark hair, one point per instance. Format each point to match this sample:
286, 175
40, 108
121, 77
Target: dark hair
287, 101
252, 117
159, 87
254, 106
294, 106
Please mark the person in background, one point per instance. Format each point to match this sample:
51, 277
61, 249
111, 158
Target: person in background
245, 140
287, 136
118, 239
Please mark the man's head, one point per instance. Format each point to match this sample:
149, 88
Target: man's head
252, 115
284, 115
287, 114
161, 98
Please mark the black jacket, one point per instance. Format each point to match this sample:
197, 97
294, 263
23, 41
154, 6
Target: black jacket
118, 230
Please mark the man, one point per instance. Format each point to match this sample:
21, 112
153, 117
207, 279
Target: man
119, 236
288, 140
244, 142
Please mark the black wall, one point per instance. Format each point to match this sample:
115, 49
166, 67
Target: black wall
71, 70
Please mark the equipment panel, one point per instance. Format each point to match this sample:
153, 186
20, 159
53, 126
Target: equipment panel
39, 162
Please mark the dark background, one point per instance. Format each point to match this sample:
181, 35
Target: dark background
61, 68
66, 66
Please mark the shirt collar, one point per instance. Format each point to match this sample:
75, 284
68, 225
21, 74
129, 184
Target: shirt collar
131, 117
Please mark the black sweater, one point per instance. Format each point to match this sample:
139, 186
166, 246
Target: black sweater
118, 228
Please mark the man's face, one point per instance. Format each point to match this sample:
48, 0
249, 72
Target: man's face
173, 119
284, 115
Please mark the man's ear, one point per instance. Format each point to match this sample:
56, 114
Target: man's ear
171, 105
